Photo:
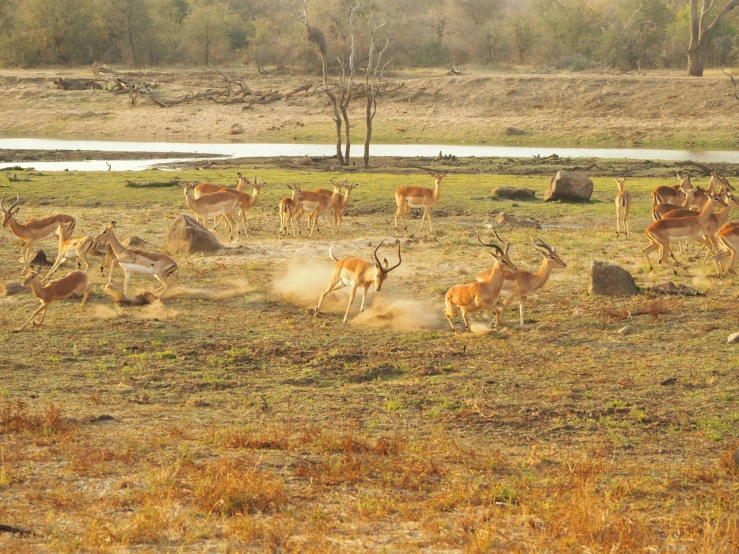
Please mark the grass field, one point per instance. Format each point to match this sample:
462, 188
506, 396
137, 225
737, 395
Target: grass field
239, 422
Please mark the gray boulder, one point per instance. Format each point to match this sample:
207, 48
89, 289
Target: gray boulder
607, 279
10, 288
516, 221
572, 186
187, 235
514, 193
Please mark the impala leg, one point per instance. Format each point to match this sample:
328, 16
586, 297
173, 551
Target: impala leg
626, 223
464, 318
648, 250
59, 261
364, 296
618, 224
43, 314
335, 284
126, 279
112, 268
352, 293
165, 285
31, 318
521, 302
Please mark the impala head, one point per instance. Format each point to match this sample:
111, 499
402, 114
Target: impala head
188, 186
685, 183
620, 182
438, 177
716, 200
548, 252
499, 253
297, 193
8, 213
731, 200
724, 184
63, 229
382, 269
29, 277
106, 233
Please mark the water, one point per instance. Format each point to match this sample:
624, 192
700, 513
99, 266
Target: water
258, 150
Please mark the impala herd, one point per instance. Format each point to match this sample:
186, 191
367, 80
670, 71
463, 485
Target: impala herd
680, 212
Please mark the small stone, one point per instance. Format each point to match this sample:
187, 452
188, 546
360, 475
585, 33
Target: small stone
516, 221
733, 338
514, 131
40, 259
10, 288
625, 330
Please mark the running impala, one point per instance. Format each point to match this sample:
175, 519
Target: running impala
33, 230
355, 273
524, 283
73, 249
662, 232
480, 295
728, 237
59, 289
417, 197
137, 261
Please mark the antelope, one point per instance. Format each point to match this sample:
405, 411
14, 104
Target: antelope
289, 209
728, 237
355, 273
59, 289
341, 204
714, 221
209, 188
715, 185
245, 201
674, 194
213, 205
524, 283
137, 261
417, 197
71, 249
661, 209
482, 294
33, 230
661, 232
623, 203
317, 204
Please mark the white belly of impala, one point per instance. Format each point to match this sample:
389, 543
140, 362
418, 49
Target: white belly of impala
415, 202
348, 282
135, 268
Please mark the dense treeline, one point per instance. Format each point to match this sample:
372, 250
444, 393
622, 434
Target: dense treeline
572, 34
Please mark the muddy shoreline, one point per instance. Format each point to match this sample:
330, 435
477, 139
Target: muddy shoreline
10, 156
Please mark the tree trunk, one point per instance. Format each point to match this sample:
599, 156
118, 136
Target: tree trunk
696, 60
339, 155
348, 146
368, 134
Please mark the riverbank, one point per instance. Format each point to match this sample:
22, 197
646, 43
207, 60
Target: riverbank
480, 107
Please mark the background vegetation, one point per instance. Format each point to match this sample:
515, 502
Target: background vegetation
569, 34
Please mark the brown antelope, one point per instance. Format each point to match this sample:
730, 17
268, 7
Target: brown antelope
213, 205
355, 273
661, 209
716, 185
480, 295
242, 184
663, 231
417, 197
73, 249
728, 237
289, 209
317, 204
524, 283
342, 200
342, 203
137, 261
246, 202
674, 194
33, 230
623, 204
59, 289
714, 221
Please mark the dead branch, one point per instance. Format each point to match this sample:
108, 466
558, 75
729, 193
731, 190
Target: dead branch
733, 82
15, 530
705, 169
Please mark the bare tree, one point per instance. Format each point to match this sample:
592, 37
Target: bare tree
373, 84
701, 31
733, 82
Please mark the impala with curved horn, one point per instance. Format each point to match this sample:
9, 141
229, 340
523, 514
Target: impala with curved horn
33, 230
480, 295
355, 273
524, 283
417, 197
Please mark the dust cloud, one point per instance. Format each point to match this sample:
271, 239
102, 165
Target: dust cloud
104, 312
302, 283
398, 315
236, 287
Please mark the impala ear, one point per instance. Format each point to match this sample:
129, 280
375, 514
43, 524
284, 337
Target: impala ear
384, 263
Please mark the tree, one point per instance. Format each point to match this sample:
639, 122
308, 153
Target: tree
701, 31
207, 27
373, 83
132, 20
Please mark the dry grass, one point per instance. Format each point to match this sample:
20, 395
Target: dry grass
240, 422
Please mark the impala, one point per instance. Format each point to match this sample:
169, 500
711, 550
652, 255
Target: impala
674, 194
482, 294
661, 209
33, 230
288, 210
245, 201
417, 197
213, 205
728, 237
242, 184
342, 203
58, 289
623, 203
714, 221
716, 185
73, 249
524, 283
339, 204
137, 261
316, 204
355, 273
663, 231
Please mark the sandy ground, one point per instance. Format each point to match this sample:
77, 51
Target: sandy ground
658, 108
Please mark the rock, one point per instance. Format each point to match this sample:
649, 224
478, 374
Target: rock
40, 258
570, 186
136, 242
607, 279
187, 235
514, 193
733, 338
625, 330
10, 288
515, 221
237, 129
514, 131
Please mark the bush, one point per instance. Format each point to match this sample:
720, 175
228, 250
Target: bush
434, 54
